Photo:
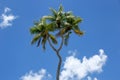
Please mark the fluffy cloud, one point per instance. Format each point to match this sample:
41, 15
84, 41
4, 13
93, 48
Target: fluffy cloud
89, 78
41, 75
75, 69
6, 19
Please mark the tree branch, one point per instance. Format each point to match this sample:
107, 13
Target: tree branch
52, 45
61, 44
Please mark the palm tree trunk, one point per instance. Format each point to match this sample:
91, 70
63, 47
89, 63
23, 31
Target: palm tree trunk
59, 57
59, 66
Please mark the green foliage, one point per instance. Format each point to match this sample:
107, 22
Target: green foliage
36, 37
77, 20
54, 12
58, 24
60, 8
66, 38
44, 42
53, 39
34, 30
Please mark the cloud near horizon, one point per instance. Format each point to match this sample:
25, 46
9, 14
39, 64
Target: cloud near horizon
75, 69
40, 75
89, 78
6, 18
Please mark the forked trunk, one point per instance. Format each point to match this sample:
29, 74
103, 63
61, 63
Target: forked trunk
59, 57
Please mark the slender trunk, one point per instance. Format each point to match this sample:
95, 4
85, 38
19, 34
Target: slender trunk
59, 57
59, 66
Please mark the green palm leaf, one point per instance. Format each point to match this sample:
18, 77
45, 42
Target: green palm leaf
43, 21
44, 42
68, 13
51, 26
34, 30
36, 38
77, 20
76, 27
39, 41
78, 32
61, 32
66, 38
36, 22
51, 18
60, 8
53, 39
54, 12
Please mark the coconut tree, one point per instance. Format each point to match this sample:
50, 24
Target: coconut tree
49, 28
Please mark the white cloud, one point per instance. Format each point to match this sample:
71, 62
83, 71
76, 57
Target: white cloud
89, 78
75, 69
95, 79
6, 18
41, 75
7, 10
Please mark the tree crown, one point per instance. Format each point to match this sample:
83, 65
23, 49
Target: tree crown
63, 22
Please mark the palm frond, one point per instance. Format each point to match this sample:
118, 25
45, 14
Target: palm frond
51, 26
51, 18
68, 13
77, 20
36, 38
40, 27
61, 32
36, 22
34, 30
76, 27
70, 17
66, 38
66, 24
53, 39
39, 41
78, 32
43, 21
54, 12
44, 43
60, 8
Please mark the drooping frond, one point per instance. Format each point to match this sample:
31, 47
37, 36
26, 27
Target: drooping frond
77, 20
51, 26
70, 19
34, 30
61, 32
78, 32
39, 41
43, 21
53, 39
66, 38
51, 18
36, 38
44, 42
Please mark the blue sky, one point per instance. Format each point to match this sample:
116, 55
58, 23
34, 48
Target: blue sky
101, 23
